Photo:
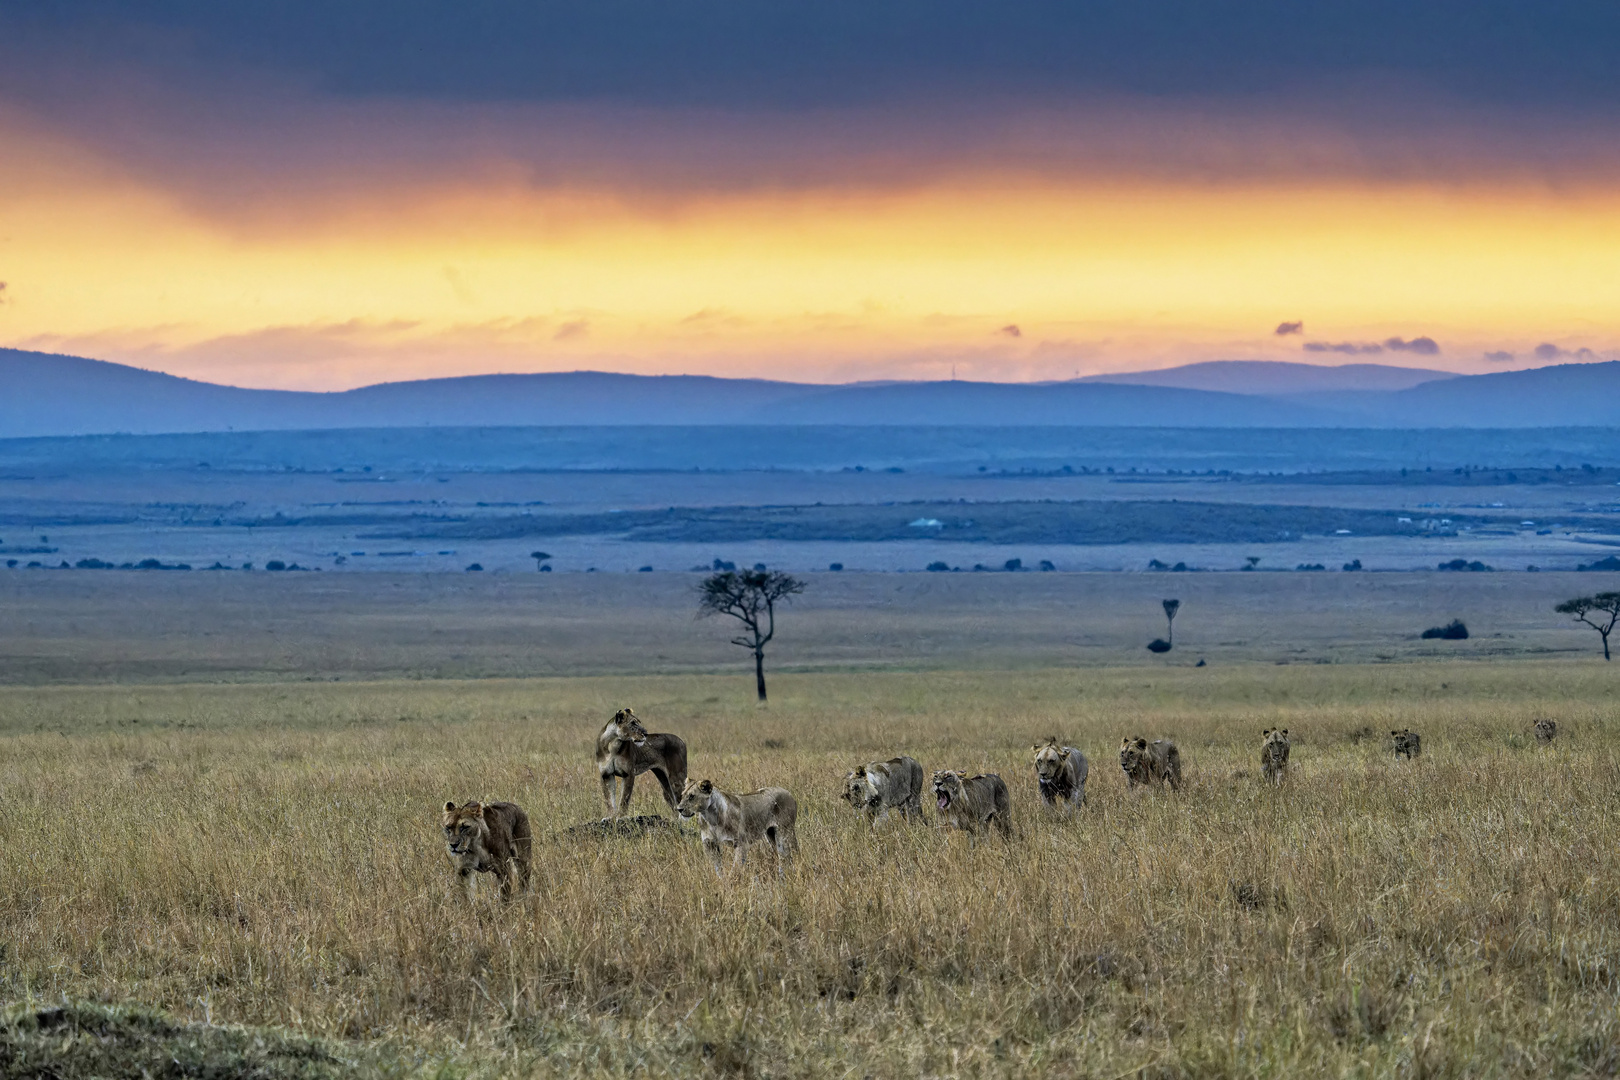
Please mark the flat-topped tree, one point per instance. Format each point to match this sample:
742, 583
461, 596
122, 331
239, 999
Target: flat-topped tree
539, 558
1170, 609
750, 597
1600, 612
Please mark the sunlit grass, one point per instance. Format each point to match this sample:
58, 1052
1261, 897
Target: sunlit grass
270, 855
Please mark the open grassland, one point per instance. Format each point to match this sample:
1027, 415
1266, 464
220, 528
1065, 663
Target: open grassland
269, 854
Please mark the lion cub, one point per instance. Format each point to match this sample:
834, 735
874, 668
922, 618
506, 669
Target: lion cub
1274, 749
489, 838
1406, 743
1061, 773
624, 750
1158, 762
768, 815
1546, 731
876, 788
972, 803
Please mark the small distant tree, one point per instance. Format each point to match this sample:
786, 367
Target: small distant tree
750, 597
1170, 609
1600, 612
540, 558
1252, 560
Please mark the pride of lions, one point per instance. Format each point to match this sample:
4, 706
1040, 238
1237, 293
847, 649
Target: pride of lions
494, 837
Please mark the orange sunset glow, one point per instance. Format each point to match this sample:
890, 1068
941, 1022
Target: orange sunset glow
294, 260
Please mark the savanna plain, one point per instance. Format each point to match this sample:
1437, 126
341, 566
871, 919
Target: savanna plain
258, 857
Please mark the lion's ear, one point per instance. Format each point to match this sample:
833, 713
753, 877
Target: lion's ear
478, 810
449, 806
1141, 744
1285, 731
707, 785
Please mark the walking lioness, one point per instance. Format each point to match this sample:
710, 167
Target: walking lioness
1150, 763
489, 838
624, 750
767, 815
1274, 749
972, 803
1406, 743
878, 787
1061, 773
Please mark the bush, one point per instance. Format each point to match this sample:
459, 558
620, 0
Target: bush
1476, 566
1046, 564
645, 570
1310, 566
1158, 645
1353, 564
1013, 564
275, 564
938, 567
835, 566
473, 568
1452, 631
94, 564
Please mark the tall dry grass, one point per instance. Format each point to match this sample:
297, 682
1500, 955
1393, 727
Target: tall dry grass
270, 854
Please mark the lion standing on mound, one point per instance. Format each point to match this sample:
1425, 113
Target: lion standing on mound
1158, 762
1061, 772
878, 787
1274, 749
489, 838
972, 803
624, 750
769, 815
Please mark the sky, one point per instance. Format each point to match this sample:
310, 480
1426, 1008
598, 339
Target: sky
320, 196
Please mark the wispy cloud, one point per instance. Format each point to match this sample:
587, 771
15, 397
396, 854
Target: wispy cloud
1423, 346
1011, 330
1500, 357
1349, 348
1548, 351
1286, 328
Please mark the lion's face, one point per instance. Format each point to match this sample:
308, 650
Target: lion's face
627, 728
1131, 753
1274, 737
856, 792
695, 798
947, 788
1049, 761
465, 832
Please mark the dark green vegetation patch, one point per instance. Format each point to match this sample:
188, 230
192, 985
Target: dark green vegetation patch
68, 1042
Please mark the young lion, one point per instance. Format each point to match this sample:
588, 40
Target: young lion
1061, 772
489, 838
1546, 731
1144, 763
1407, 743
972, 803
1274, 749
878, 787
624, 750
768, 815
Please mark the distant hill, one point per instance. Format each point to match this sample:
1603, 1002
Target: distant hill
1276, 377
46, 395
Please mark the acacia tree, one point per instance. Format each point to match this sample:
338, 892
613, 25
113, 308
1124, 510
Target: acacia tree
1170, 609
750, 597
1600, 612
539, 558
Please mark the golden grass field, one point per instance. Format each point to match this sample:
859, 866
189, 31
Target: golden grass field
269, 854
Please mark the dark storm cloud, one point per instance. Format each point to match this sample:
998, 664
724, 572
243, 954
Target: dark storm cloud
1349, 348
742, 53
1286, 328
1423, 346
